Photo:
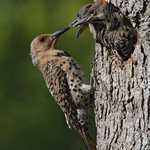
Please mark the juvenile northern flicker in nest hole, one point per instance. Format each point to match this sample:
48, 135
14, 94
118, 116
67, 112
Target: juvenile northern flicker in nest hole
64, 79
111, 28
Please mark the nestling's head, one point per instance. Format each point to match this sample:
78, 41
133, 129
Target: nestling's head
89, 13
83, 17
45, 42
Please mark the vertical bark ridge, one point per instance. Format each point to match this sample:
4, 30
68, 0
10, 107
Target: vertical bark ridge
122, 104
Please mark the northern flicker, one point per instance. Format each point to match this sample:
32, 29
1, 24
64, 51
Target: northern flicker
111, 28
64, 79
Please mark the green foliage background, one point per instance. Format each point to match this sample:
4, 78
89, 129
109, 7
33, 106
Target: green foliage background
29, 117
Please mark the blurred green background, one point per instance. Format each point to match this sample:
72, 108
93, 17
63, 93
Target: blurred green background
29, 117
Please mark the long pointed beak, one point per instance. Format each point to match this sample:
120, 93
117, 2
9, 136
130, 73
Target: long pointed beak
80, 30
58, 33
80, 21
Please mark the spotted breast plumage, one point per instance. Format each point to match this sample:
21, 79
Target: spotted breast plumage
64, 79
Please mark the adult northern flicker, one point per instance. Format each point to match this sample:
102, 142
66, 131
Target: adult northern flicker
64, 79
111, 28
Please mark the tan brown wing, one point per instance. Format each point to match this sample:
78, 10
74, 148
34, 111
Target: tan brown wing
57, 84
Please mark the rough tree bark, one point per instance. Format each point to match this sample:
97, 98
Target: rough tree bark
122, 96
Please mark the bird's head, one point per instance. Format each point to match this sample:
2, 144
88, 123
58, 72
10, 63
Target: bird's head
45, 42
89, 13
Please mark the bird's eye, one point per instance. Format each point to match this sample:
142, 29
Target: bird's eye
42, 39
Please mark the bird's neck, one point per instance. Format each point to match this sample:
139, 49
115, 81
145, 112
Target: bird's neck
44, 57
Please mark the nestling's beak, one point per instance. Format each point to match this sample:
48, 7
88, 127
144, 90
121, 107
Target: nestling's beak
81, 29
79, 21
82, 23
58, 33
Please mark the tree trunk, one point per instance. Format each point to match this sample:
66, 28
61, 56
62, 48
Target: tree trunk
122, 96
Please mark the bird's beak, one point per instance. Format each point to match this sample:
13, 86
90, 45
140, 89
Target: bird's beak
58, 33
81, 29
82, 23
79, 21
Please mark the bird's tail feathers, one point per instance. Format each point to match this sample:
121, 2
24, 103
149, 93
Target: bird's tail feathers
88, 141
